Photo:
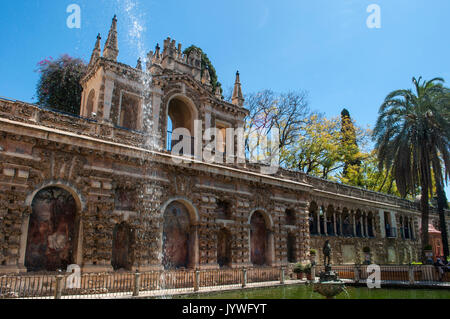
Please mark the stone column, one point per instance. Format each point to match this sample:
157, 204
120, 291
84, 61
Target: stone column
325, 224
361, 224
366, 225
354, 223
410, 227
318, 222
382, 224
341, 224
334, 223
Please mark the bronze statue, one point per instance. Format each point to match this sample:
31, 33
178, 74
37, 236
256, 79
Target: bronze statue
327, 253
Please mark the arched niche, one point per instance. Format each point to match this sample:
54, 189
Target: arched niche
291, 248
122, 250
224, 238
53, 230
261, 239
179, 237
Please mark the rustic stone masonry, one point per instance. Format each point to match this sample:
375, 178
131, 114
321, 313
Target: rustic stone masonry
137, 208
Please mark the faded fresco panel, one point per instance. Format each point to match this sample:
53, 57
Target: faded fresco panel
258, 239
125, 199
392, 256
224, 248
51, 231
348, 254
122, 257
176, 236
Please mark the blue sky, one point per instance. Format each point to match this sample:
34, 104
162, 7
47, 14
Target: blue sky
322, 46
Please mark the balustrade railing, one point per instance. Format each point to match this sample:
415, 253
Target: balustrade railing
128, 284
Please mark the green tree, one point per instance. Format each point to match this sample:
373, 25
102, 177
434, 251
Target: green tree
59, 84
324, 147
351, 159
411, 128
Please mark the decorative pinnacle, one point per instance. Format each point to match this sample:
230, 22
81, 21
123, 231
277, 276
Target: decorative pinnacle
97, 50
238, 97
111, 50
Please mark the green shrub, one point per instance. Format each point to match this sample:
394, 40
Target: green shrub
428, 247
307, 269
299, 268
313, 252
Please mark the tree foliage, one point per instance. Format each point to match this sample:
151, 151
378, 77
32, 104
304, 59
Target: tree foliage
324, 148
351, 161
412, 139
59, 84
286, 112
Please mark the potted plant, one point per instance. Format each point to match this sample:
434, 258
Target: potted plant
308, 272
299, 269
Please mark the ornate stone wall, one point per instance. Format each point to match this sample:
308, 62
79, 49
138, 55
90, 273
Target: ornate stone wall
120, 176
114, 183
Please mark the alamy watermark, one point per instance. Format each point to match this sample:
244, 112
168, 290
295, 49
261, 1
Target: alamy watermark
74, 19
373, 276
227, 145
374, 19
73, 281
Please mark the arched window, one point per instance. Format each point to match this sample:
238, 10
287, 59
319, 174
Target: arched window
313, 222
180, 116
90, 103
347, 224
322, 220
330, 221
359, 224
51, 231
370, 225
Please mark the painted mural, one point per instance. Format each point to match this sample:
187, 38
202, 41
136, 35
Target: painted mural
122, 257
258, 238
125, 199
50, 242
176, 236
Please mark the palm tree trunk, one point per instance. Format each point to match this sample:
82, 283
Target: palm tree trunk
425, 214
442, 205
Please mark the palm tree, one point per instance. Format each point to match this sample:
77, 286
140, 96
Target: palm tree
442, 203
411, 133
